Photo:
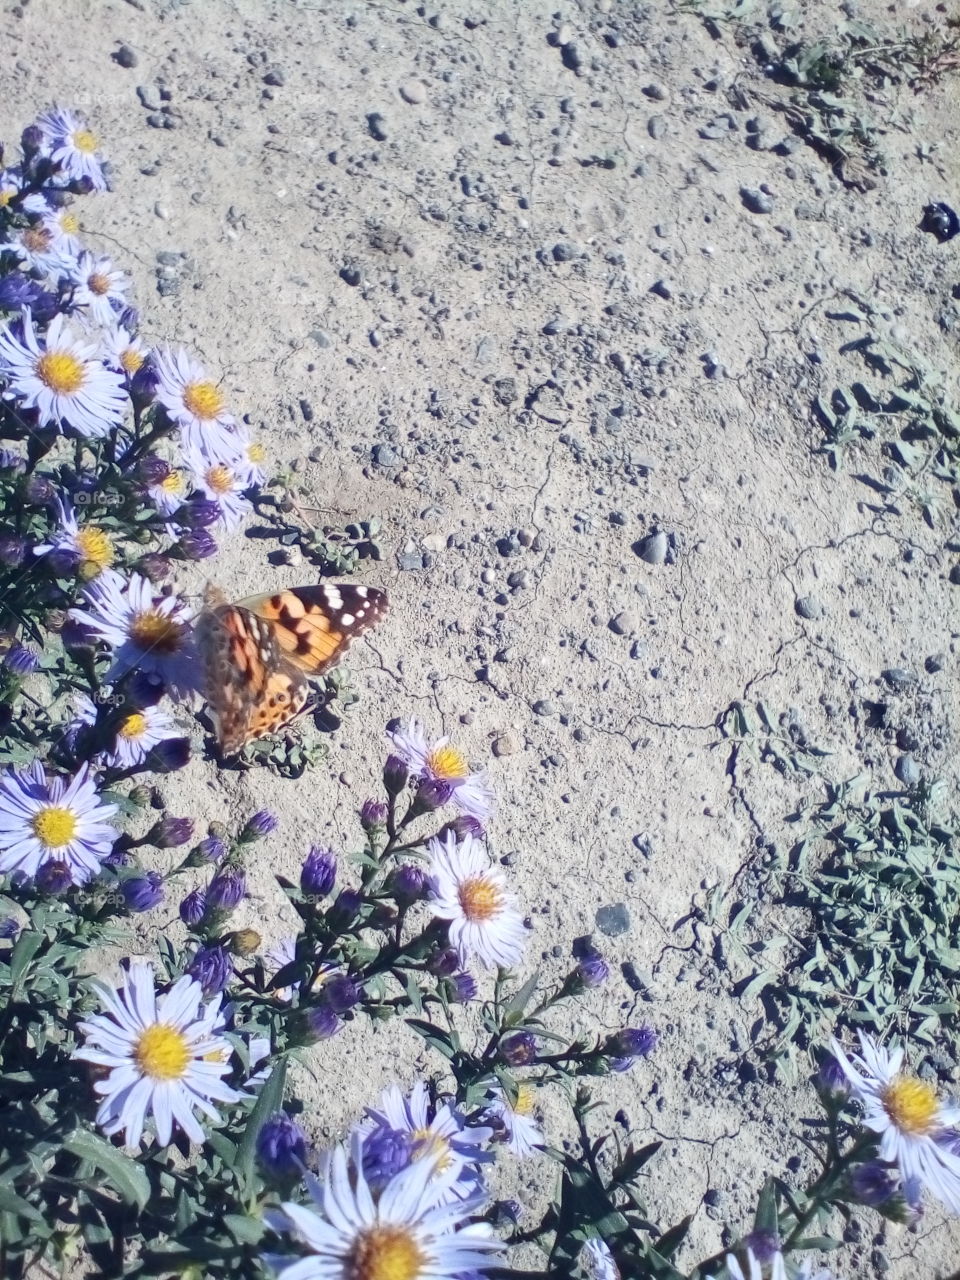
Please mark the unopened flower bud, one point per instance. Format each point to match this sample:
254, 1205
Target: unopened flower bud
318, 873
169, 833
395, 775
282, 1147
245, 942
261, 824
143, 893
211, 967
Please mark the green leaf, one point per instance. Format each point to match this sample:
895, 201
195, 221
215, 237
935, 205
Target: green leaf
520, 998
27, 946
126, 1176
10, 1202
269, 1100
671, 1240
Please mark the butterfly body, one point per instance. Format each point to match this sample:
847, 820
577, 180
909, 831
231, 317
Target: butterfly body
257, 654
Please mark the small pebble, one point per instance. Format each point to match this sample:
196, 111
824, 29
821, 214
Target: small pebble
414, 92
757, 201
907, 770
544, 707
808, 607
613, 920
125, 57
377, 125
900, 678
564, 251
384, 455
410, 560
935, 662
653, 548
275, 77
506, 744
623, 624
656, 127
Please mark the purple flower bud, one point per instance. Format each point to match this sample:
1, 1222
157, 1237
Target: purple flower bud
282, 1147
211, 849
153, 566
145, 688
9, 928
464, 824
193, 908
169, 755
873, 1183
407, 884
261, 824
130, 319
318, 1023
169, 833
386, 1152
227, 889
830, 1078
341, 992
38, 492
18, 290
212, 968
443, 963
54, 877
519, 1050
198, 513
629, 1044
31, 140
373, 814
143, 893
143, 384
61, 562
10, 460
20, 660
395, 775
593, 970
116, 858
318, 873
462, 988
432, 794
197, 544
347, 903
82, 186
764, 1245
13, 549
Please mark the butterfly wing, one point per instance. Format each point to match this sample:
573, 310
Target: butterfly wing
313, 626
251, 689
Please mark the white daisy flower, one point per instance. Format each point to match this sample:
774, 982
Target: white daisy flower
53, 820
169, 494
165, 1057
146, 631
522, 1133
98, 285
12, 182
914, 1126
195, 404
404, 1232
597, 1261
471, 894
92, 547
60, 376
219, 482
70, 144
754, 1271
249, 460
122, 351
443, 1137
137, 734
441, 762
42, 248
64, 225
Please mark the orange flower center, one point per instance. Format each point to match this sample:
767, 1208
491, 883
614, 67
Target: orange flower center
203, 400
154, 630
480, 898
98, 283
220, 479
911, 1104
385, 1253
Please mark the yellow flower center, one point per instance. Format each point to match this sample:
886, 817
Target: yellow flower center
135, 725
96, 549
6, 197
173, 483
480, 899
69, 223
220, 479
156, 631
54, 827
256, 453
130, 360
162, 1052
427, 1144
385, 1253
447, 763
525, 1098
84, 141
61, 372
37, 239
203, 400
98, 283
911, 1104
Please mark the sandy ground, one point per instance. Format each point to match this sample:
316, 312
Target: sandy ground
419, 245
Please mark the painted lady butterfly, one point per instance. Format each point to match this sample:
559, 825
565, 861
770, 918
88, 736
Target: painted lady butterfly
257, 654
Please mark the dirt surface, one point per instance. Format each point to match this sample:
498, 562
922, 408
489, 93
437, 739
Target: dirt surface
485, 278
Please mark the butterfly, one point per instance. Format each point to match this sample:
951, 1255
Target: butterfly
257, 654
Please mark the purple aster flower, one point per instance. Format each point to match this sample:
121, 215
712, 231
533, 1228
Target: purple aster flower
227, 889
432, 794
193, 908
282, 1147
52, 819
407, 884
198, 513
39, 492
874, 1183
169, 833
31, 140
830, 1078
764, 1245
463, 825
197, 544
444, 962
20, 661
154, 566
462, 988
146, 688
629, 1044
386, 1152
373, 815
347, 903
395, 775
17, 291
211, 849
143, 893
212, 968
10, 460
319, 872
261, 824
593, 970
519, 1049
13, 549
341, 992
152, 470
169, 755
318, 1023
54, 877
